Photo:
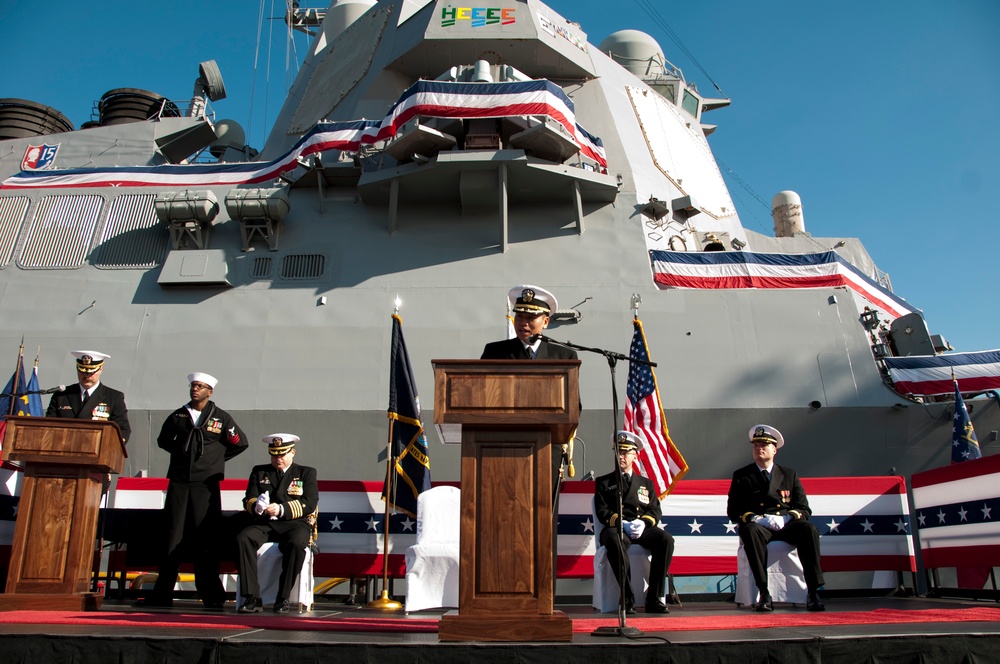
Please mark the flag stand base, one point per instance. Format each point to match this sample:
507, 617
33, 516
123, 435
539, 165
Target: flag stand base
384, 603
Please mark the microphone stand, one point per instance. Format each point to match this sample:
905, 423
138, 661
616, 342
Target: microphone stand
613, 357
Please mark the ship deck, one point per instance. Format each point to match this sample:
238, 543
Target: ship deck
897, 629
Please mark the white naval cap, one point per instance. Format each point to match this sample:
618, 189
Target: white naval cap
199, 377
530, 299
89, 361
767, 434
626, 440
280, 443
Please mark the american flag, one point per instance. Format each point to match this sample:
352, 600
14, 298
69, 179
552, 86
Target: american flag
659, 459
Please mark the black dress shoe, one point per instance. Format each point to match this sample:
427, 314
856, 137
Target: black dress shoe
814, 603
630, 607
213, 604
155, 603
252, 604
656, 607
764, 603
280, 606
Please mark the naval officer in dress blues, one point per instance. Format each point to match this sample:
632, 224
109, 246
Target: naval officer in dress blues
281, 498
90, 399
767, 502
533, 308
640, 521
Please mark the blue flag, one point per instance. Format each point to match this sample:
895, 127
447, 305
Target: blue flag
16, 385
33, 401
411, 463
964, 445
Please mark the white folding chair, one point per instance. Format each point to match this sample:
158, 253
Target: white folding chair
432, 563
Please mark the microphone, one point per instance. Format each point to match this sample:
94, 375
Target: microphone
51, 390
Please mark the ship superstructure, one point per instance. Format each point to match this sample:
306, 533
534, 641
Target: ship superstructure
439, 155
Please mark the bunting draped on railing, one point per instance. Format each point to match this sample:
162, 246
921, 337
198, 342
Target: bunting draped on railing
925, 375
746, 269
434, 99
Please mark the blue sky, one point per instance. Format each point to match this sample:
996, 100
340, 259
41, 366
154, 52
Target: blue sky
883, 116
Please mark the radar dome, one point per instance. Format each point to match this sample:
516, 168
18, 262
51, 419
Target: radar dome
342, 13
786, 210
635, 51
230, 135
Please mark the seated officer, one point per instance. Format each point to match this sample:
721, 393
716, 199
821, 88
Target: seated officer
768, 503
281, 498
640, 521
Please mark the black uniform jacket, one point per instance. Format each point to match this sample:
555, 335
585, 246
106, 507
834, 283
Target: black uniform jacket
199, 453
640, 500
513, 349
297, 491
751, 495
104, 404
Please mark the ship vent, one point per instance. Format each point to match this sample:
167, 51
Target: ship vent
303, 266
260, 267
133, 237
61, 232
12, 211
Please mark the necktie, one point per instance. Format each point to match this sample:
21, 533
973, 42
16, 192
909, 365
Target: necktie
281, 475
626, 482
767, 475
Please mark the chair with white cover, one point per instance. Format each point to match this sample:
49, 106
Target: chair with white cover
606, 594
432, 563
785, 580
269, 572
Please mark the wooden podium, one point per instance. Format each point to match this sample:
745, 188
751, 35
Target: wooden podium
511, 412
65, 462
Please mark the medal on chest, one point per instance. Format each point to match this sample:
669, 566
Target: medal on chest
100, 412
295, 488
214, 425
643, 495
785, 495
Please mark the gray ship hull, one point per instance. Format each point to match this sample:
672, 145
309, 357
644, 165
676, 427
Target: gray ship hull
299, 336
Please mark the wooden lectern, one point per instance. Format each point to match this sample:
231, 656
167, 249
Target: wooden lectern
65, 462
511, 412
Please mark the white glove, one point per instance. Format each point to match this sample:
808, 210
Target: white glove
636, 528
762, 520
263, 500
779, 521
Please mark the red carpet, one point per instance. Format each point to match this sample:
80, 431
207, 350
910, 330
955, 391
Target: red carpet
674, 622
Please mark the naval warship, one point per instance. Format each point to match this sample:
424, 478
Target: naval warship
439, 155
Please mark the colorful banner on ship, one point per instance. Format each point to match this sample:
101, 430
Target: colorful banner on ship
923, 375
434, 99
746, 269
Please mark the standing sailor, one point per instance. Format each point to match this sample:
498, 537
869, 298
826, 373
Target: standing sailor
200, 438
89, 398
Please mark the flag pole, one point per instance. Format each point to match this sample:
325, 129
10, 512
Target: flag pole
17, 374
384, 602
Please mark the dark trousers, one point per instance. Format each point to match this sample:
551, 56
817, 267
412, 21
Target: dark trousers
800, 534
658, 542
292, 538
194, 514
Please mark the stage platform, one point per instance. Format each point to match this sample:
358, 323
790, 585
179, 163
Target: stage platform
890, 629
